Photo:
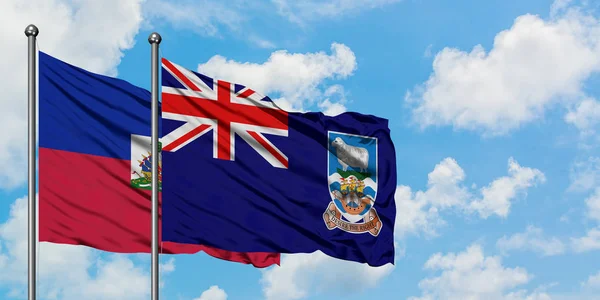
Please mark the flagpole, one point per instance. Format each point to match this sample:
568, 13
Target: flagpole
31, 32
154, 39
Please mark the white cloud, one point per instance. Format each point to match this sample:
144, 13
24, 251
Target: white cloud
532, 239
415, 214
301, 11
167, 267
593, 282
585, 175
496, 196
118, 278
296, 77
420, 211
593, 205
444, 189
334, 104
213, 293
302, 274
533, 66
472, 275
585, 116
331, 108
74, 31
590, 242
67, 271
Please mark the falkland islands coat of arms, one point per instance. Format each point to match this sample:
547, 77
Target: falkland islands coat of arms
352, 180
141, 162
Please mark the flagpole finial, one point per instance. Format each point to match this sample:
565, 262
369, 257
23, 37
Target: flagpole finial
154, 38
31, 30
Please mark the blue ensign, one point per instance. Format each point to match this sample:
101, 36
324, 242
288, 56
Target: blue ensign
241, 174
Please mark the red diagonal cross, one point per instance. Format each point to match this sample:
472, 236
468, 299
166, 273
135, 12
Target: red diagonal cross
225, 112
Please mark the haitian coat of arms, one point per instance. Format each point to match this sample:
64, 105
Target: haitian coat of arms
352, 180
141, 162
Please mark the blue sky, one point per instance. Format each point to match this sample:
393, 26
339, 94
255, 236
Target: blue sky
493, 111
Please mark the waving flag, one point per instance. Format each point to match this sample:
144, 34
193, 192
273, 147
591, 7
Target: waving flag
244, 175
227, 110
94, 165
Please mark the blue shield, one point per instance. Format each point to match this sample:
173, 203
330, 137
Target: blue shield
352, 180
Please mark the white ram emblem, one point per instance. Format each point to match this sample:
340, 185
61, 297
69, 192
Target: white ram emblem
356, 157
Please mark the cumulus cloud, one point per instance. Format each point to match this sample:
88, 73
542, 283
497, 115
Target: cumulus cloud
74, 31
420, 211
67, 271
472, 275
213, 293
302, 274
532, 239
300, 12
535, 65
589, 242
496, 196
297, 78
334, 103
415, 214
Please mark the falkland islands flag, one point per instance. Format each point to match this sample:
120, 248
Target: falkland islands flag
241, 174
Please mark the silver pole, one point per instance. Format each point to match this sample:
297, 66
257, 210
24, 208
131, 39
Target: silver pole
31, 32
154, 40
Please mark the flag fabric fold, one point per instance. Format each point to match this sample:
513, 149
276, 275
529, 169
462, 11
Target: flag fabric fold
94, 165
241, 174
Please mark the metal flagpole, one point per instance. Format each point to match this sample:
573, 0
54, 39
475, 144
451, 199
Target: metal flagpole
31, 32
154, 39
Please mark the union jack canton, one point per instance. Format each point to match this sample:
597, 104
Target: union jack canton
206, 104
